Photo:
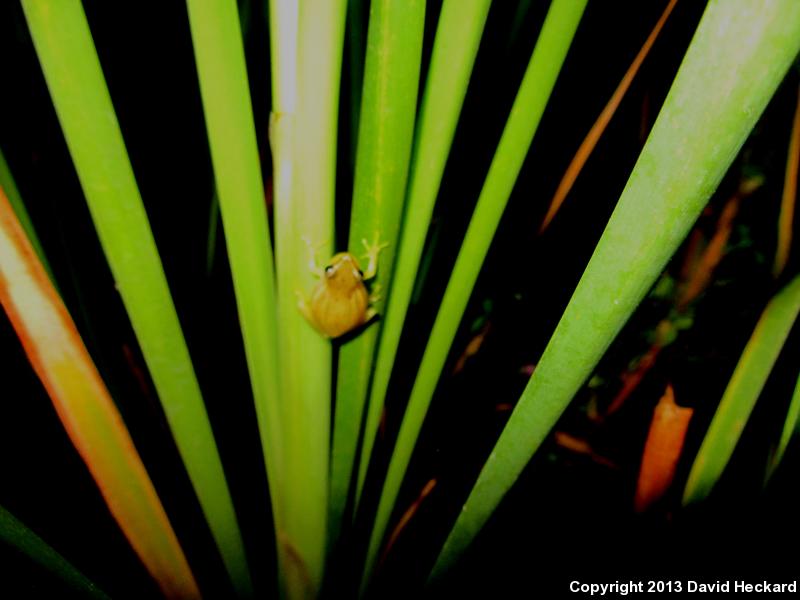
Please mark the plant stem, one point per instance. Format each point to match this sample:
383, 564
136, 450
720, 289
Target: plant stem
304, 142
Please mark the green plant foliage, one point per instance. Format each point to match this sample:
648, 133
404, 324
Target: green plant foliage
14, 533
9, 186
69, 61
540, 77
304, 133
384, 148
789, 430
317, 463
458, 35
737, 57
743, 390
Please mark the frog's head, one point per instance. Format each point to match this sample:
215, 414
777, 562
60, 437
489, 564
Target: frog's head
343, 272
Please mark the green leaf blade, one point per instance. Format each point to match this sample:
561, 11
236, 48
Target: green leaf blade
545, 63
722, 87
391, 82
790, 427
17, 535
64, 45
8, 184
742, 392
458, 36
303, 137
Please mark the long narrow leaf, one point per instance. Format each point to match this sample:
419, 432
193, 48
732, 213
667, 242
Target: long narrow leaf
356, 41
455, 47
85, 408
304, 215
73, 74
12, 193
283, 18
590, 141
789, 430
789, 196
14, 533
228, 112
540, 77
736, 59
394, 48
743, 390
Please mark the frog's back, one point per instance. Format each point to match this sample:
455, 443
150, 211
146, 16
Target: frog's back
337, 314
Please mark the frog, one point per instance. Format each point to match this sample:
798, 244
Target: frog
340, 302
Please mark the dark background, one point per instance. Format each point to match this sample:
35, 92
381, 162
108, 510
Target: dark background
568, 517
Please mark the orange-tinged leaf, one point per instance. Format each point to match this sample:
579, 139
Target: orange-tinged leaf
694, 249
701, 274
406, 518
84, 406
661, 450
588, 144
581, 446
632, 379
786, 219
473, 347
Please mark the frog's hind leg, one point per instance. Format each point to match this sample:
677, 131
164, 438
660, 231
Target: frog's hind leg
305, 309
375, 295
369, 315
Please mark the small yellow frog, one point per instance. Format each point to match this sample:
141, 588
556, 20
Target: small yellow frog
340, 302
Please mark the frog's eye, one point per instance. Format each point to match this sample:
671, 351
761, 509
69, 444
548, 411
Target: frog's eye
329, 270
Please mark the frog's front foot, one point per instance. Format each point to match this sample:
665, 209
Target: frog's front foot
312, 249
373, 250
